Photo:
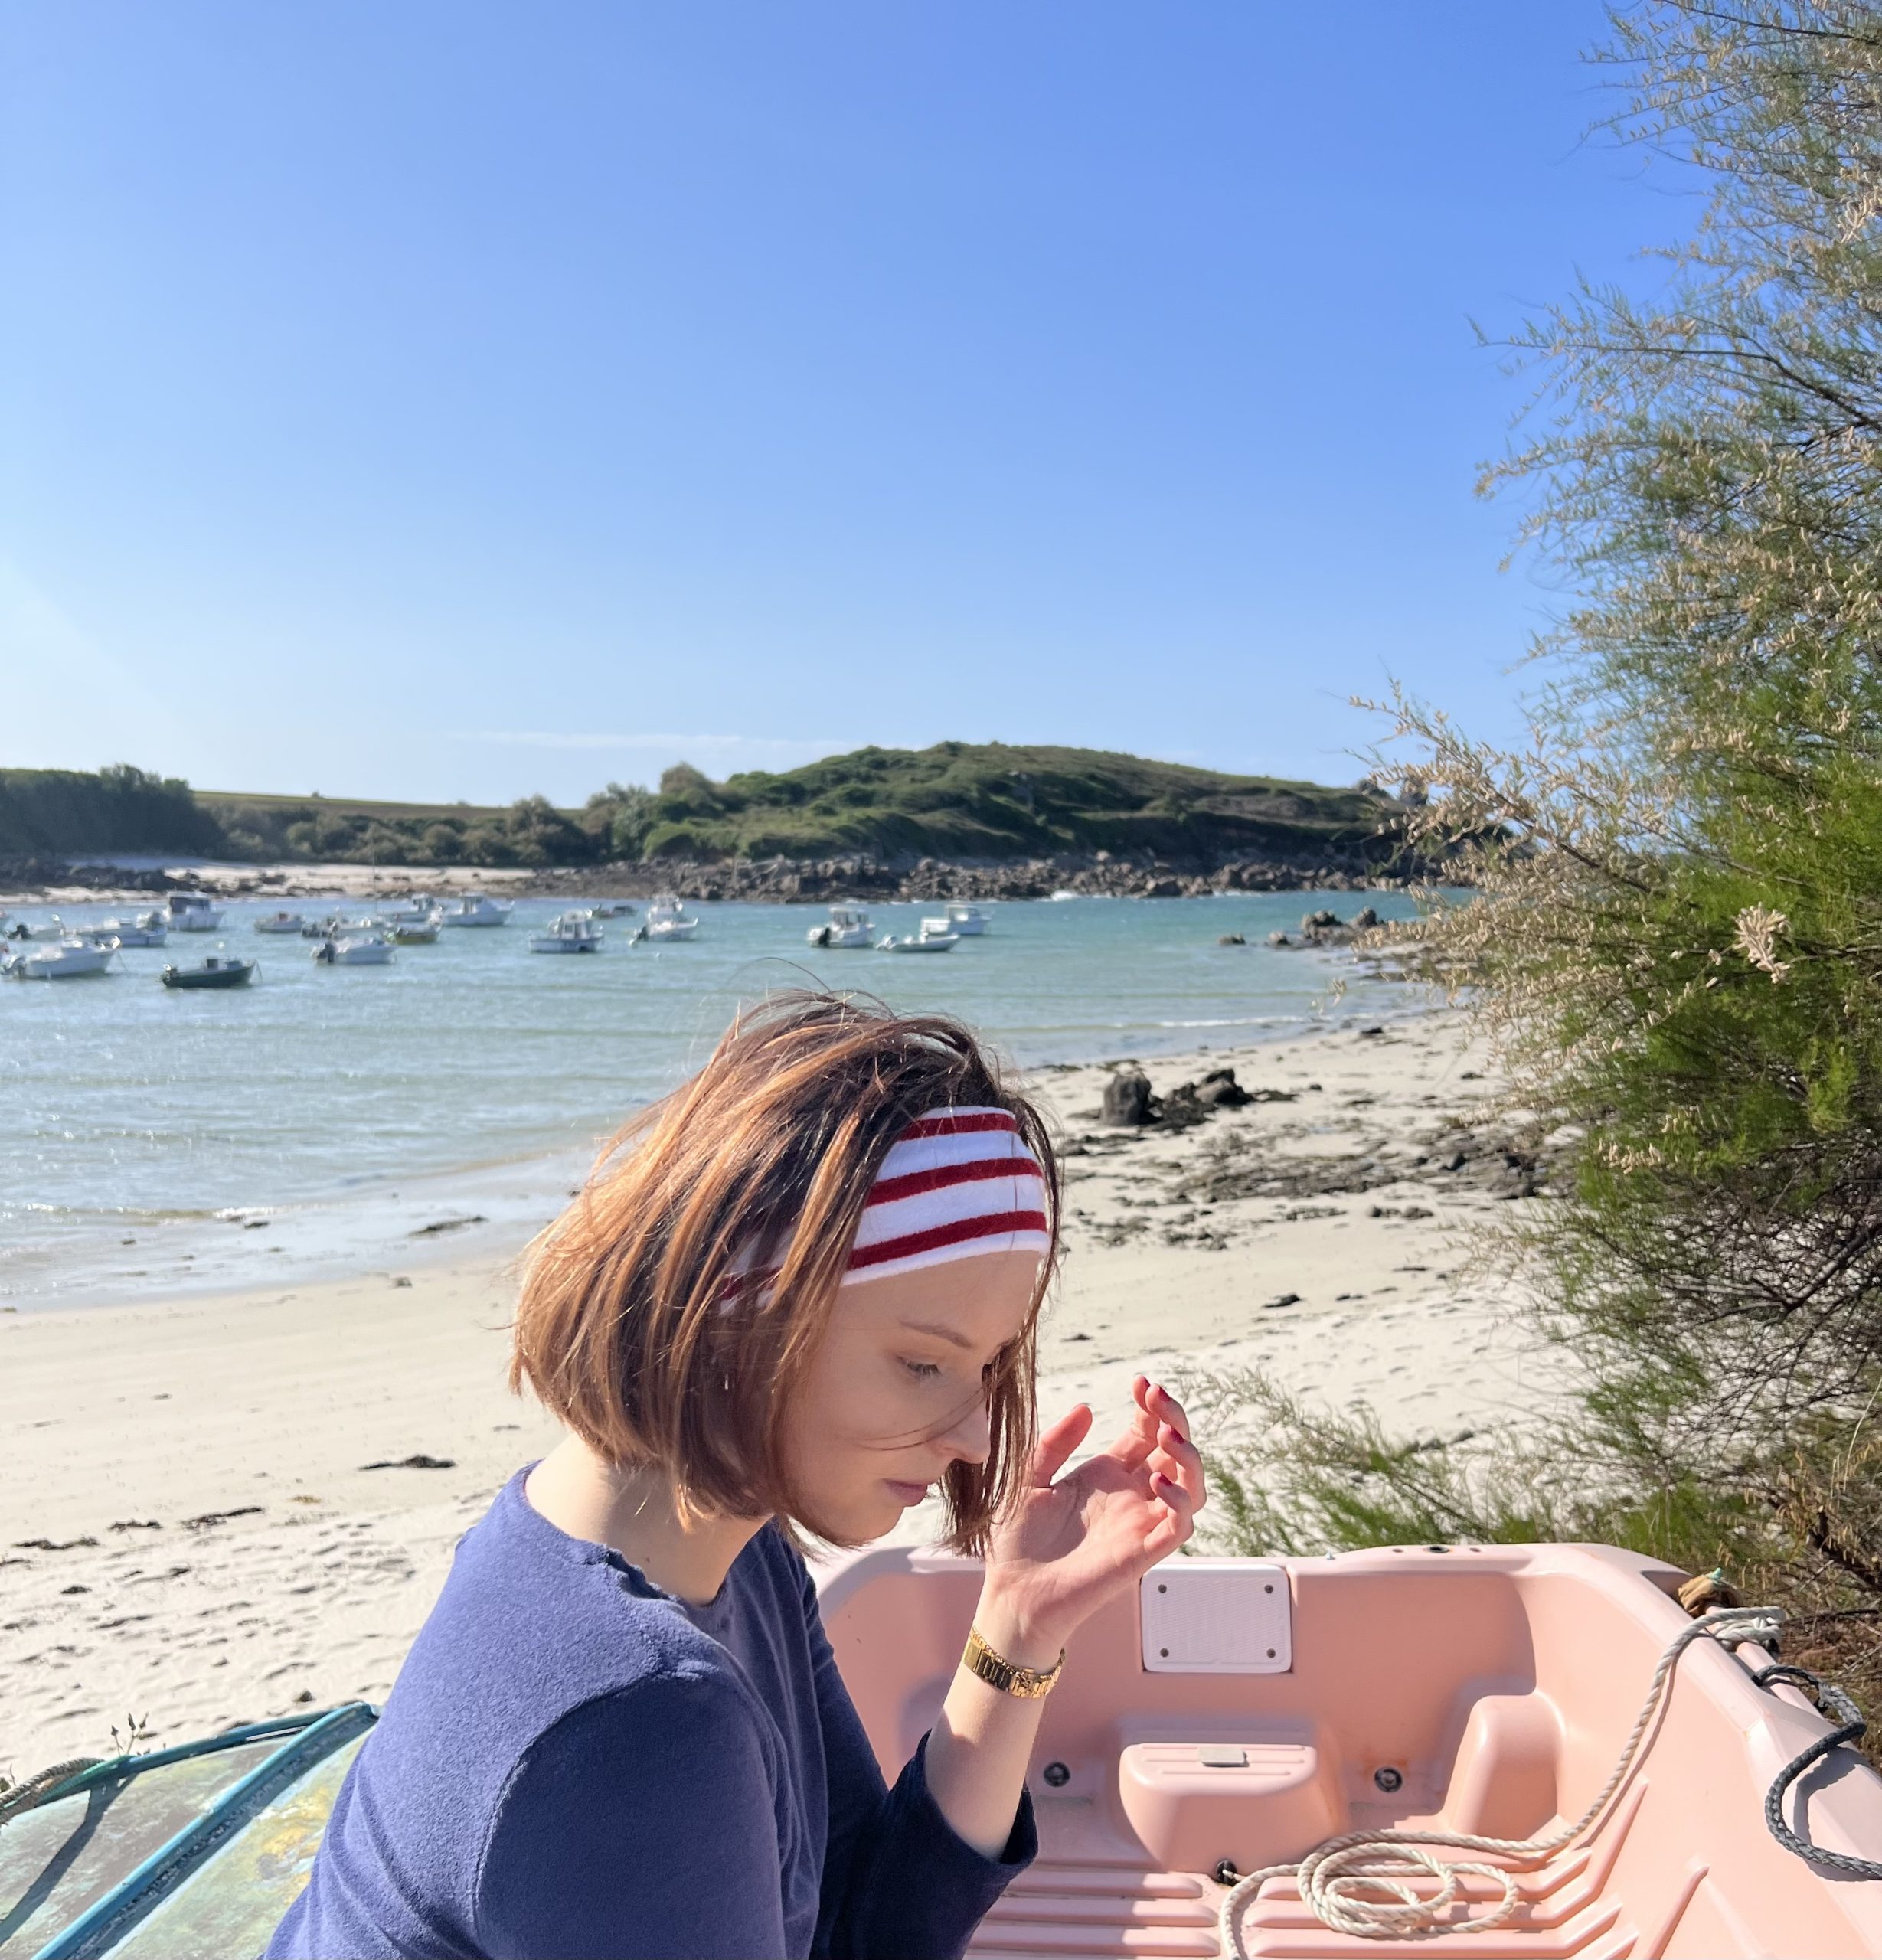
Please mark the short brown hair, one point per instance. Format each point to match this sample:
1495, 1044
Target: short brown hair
632, 1328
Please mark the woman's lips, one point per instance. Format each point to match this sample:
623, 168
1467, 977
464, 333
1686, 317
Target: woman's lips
908, 1494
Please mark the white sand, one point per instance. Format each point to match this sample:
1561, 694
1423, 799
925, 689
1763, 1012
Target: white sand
130, 1426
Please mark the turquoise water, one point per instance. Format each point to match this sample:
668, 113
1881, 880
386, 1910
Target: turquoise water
154, 1140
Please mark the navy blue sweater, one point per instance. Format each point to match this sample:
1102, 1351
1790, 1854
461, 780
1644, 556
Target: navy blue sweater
575, 1765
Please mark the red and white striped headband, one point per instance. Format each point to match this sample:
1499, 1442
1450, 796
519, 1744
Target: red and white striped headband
956, 1183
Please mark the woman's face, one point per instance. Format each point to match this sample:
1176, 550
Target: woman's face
897, 1391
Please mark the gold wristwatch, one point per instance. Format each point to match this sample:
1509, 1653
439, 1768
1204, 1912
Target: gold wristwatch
1029, 1684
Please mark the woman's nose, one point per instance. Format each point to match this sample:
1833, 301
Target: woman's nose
971, 1439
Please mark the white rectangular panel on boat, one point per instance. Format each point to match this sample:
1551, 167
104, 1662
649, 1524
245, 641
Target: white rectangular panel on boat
1231, 1616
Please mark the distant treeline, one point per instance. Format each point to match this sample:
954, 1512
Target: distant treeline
984, 803
71, 813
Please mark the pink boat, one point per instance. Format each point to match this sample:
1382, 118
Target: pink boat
1230, 1717
1238, 1713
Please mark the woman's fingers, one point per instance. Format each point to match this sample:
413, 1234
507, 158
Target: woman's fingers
1178, 1458
1053, 1450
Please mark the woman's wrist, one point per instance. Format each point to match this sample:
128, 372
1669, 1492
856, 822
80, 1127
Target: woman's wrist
1014, 1633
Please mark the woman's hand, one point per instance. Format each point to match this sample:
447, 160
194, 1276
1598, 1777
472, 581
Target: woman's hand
1069, 1546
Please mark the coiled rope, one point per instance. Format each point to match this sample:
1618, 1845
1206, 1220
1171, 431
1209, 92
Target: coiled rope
1359, 1884
33, 1791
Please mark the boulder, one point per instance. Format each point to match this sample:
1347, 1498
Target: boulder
1127, 1102
1320, 922
1219, 1090
1364, 919
1231, 939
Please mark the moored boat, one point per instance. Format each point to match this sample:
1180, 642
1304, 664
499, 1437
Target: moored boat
413, 909
473, 908
190, 912
215, 971
574, 932
924, 942
361, 951
847, 926
668, 919
1214, 1727
606, 908
69, 959
148, 929
281, 922
964, 922
415, 931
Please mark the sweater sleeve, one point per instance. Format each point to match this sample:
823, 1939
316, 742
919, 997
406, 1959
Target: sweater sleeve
898, 1882
641, 1826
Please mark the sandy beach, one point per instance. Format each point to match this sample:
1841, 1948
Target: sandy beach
218, 1508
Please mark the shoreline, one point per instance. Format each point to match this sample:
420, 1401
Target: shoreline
214, 1513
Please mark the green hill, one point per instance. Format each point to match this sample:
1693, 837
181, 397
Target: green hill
984, 803
990, 802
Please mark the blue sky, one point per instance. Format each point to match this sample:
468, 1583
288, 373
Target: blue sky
442, 400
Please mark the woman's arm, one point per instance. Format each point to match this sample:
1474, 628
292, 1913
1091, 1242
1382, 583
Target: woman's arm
641, 1827
1070, 1546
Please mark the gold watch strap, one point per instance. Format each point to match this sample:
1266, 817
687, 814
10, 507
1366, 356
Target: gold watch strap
1029, 1684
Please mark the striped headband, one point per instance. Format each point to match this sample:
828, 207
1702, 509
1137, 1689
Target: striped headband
955, 1183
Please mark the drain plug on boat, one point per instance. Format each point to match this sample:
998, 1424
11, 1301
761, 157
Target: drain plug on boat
1057, 1774
1387, 1779
1225, 1872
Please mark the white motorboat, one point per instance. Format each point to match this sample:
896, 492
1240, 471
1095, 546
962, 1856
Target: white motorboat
415, 909
148, 929
281, 922
667, 919
365, 952
417, 931
68, 960
964, 922
574, 932
190, 912
920, 943
847, 927
473, 908
608, 908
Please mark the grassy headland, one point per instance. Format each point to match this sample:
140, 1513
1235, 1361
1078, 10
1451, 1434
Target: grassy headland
977, 804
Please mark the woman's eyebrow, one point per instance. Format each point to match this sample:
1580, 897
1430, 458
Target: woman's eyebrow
947, 1334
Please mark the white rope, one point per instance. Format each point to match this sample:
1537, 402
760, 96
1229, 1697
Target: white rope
1359, 1884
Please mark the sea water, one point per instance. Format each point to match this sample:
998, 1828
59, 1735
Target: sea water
327, 1120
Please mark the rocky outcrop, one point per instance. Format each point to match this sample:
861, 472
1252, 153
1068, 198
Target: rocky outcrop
824, 881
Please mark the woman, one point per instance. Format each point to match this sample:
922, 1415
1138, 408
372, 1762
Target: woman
801, 1294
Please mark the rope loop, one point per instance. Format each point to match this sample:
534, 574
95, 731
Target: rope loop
1334, 1877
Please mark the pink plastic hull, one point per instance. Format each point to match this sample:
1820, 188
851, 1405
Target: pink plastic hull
1481, 1690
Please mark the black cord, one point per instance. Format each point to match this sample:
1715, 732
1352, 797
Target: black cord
1852, 1729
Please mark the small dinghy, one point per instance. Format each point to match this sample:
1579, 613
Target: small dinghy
369, 951
415, 931
574, 932
922, 942
213, 971
848, 929
1559, 1760
613, 908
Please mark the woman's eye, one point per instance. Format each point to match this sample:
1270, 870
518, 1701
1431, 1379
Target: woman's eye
922, 1371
